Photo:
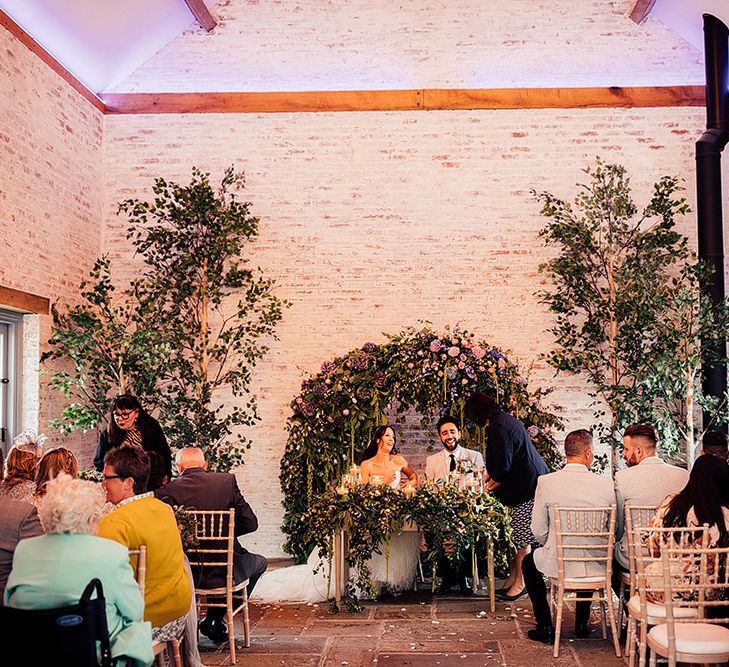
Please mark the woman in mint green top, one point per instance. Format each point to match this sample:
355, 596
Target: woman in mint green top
52, 570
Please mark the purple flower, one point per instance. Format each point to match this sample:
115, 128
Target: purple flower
359, 363
307, 408
470, 372
328, 367
319, 389
435, 345
533, 431
454, 351
369, 347
451, 373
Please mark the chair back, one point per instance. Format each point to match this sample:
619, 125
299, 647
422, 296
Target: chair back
694, 578
61, 636
215, 533
654, 541
140, 566
636, 517
585, 537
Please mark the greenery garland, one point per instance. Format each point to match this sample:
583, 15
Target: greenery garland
430, 372
455, 521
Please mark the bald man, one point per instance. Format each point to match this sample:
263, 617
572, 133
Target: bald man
198, 489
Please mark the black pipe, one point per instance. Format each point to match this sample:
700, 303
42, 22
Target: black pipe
708, 190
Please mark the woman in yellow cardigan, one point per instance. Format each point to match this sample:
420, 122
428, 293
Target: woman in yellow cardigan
140, 519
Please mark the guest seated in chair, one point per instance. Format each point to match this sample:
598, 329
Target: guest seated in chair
198, 489
18, 520
52, 570
704, 500
21, 466
140, 519
573, 486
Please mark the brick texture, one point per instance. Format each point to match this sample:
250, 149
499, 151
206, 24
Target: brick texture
372, 222
263, 45
50, 192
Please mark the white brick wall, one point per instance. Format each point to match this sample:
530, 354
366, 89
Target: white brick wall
50, 192
262, 45
373, 221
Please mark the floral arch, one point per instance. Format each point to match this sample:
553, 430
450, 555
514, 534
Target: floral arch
423, 370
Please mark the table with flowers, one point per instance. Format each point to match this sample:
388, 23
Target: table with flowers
349, 522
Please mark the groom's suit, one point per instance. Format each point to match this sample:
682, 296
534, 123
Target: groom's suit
437, 466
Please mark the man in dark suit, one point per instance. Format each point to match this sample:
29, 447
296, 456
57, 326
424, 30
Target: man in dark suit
198, 489
18, 520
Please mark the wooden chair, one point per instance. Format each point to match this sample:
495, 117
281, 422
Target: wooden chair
702, 585
140, 571
214, 530
641, 610
636, 516
584, 535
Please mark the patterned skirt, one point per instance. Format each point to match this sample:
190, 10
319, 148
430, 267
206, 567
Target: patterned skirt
521, 521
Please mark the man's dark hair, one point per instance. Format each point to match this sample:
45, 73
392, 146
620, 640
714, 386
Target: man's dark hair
642, 431
130, 461
480, 407
446, 419
576, 442
715, 443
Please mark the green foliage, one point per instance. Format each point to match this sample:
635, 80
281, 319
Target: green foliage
191, 325
431, 373
627, 305
213, 310
111, 349
454, 519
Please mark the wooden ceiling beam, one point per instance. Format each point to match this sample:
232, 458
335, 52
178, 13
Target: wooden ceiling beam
405, 100
641, 9
202, 14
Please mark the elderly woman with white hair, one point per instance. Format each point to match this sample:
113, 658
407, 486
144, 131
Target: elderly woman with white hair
52, 570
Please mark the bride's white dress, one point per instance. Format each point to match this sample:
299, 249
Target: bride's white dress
396, 567
299, 583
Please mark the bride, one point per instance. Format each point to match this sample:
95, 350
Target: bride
381, 464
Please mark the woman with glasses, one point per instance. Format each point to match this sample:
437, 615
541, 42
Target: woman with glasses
131, 424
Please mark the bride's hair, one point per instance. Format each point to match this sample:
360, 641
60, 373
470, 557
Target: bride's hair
377, 435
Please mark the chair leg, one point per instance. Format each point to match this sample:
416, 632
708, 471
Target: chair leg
630, 641
653, 659
603, 623
177, 658
621, 611
246, 620
558, 624
642, 632
231, 627
613, 624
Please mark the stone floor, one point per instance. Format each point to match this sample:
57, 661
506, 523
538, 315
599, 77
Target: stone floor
414, 629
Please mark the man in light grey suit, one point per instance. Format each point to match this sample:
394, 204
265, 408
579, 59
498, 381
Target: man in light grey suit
646, 481
18, 520
573, 486
440, 465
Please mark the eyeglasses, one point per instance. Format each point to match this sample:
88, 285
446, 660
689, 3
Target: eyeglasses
122, 414
113, 477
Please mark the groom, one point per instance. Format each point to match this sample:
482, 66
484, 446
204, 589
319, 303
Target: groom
440, 466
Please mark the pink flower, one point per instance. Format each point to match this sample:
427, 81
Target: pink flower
454, 351
478, 352
435, 345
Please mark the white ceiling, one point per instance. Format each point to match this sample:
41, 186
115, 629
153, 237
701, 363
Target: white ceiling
684, 17
103, 41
